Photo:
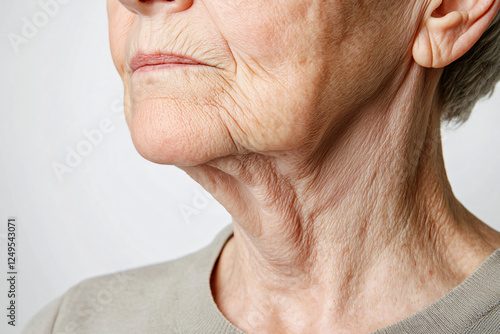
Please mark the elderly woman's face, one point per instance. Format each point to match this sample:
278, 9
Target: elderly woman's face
273, 73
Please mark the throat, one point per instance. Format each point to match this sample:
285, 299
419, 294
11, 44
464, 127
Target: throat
356, 291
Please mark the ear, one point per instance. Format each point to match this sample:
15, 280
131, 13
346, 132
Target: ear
450, 29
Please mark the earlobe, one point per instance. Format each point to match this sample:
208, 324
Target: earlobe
451, 30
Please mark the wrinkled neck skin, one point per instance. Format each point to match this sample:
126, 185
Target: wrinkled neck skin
352, 233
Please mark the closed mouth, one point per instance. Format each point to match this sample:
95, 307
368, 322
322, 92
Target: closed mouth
143, 61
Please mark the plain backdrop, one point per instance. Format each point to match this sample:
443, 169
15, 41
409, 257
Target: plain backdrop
112, 209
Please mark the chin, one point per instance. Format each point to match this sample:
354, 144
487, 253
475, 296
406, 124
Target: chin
171, 135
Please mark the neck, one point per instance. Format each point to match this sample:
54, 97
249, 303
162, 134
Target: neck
365, 205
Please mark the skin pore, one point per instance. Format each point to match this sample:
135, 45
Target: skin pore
316, 125
366, 238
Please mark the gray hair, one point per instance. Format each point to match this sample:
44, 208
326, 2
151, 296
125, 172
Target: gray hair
471, 77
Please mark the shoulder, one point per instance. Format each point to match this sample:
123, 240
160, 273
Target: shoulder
114, 300
43, 321
123, 302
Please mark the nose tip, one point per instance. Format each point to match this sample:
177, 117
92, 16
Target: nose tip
150, 7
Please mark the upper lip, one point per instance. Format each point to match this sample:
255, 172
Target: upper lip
150, 59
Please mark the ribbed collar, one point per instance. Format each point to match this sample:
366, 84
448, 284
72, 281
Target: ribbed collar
455, 312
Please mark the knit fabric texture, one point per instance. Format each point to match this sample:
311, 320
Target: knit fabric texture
175, 297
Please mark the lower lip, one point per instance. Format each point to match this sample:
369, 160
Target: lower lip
159, 67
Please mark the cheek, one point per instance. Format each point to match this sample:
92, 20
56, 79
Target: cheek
275, 78
255, 29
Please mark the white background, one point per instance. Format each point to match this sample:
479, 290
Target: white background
115, 210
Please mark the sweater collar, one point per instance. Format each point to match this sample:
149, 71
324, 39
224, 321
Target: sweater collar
455, 312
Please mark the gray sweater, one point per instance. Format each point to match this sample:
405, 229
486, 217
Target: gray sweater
175, 297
